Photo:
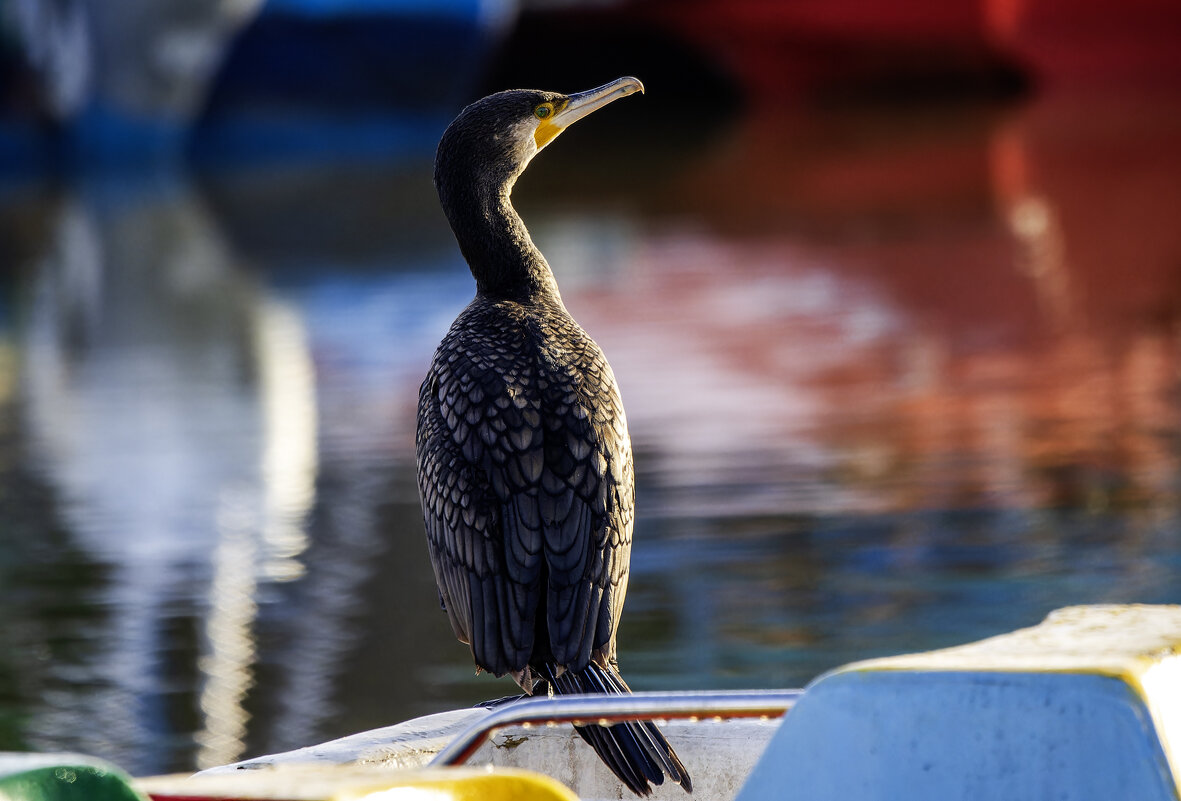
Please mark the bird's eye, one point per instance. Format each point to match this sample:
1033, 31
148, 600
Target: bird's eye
543, 111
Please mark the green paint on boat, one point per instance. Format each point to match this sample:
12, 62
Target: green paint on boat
62, 777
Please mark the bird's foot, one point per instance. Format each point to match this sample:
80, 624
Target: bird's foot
508, 699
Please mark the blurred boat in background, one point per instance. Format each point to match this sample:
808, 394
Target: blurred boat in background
124, 81
124, 78
127, 79
890, 50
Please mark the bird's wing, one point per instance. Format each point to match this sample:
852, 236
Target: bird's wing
525, 463
587, 503
479, 466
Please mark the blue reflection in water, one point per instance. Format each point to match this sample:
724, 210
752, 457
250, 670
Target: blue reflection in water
211, 543
785, 602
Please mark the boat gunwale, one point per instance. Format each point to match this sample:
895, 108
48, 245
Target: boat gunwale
583, 710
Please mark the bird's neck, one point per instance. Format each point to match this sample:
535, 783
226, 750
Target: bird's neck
503, 259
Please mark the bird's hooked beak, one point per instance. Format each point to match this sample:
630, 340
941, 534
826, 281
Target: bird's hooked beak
579, 105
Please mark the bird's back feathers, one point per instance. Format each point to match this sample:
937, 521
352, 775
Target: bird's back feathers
525, 470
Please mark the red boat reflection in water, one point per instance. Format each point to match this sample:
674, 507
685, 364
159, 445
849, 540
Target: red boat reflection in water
963, 310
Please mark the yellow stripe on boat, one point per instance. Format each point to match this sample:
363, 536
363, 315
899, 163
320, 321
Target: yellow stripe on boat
360, 783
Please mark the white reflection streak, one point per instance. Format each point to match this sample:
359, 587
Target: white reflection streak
289, 463
290, 457
228, 631
1033, 222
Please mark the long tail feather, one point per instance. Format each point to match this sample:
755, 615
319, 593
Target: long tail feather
635, 751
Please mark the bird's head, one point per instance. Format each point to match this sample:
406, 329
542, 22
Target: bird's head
492, 141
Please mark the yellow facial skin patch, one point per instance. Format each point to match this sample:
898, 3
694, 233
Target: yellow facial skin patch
548, 127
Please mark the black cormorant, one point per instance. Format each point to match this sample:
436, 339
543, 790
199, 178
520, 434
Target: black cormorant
524, 459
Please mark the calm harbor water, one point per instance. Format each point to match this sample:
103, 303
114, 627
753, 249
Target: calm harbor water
896, 380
